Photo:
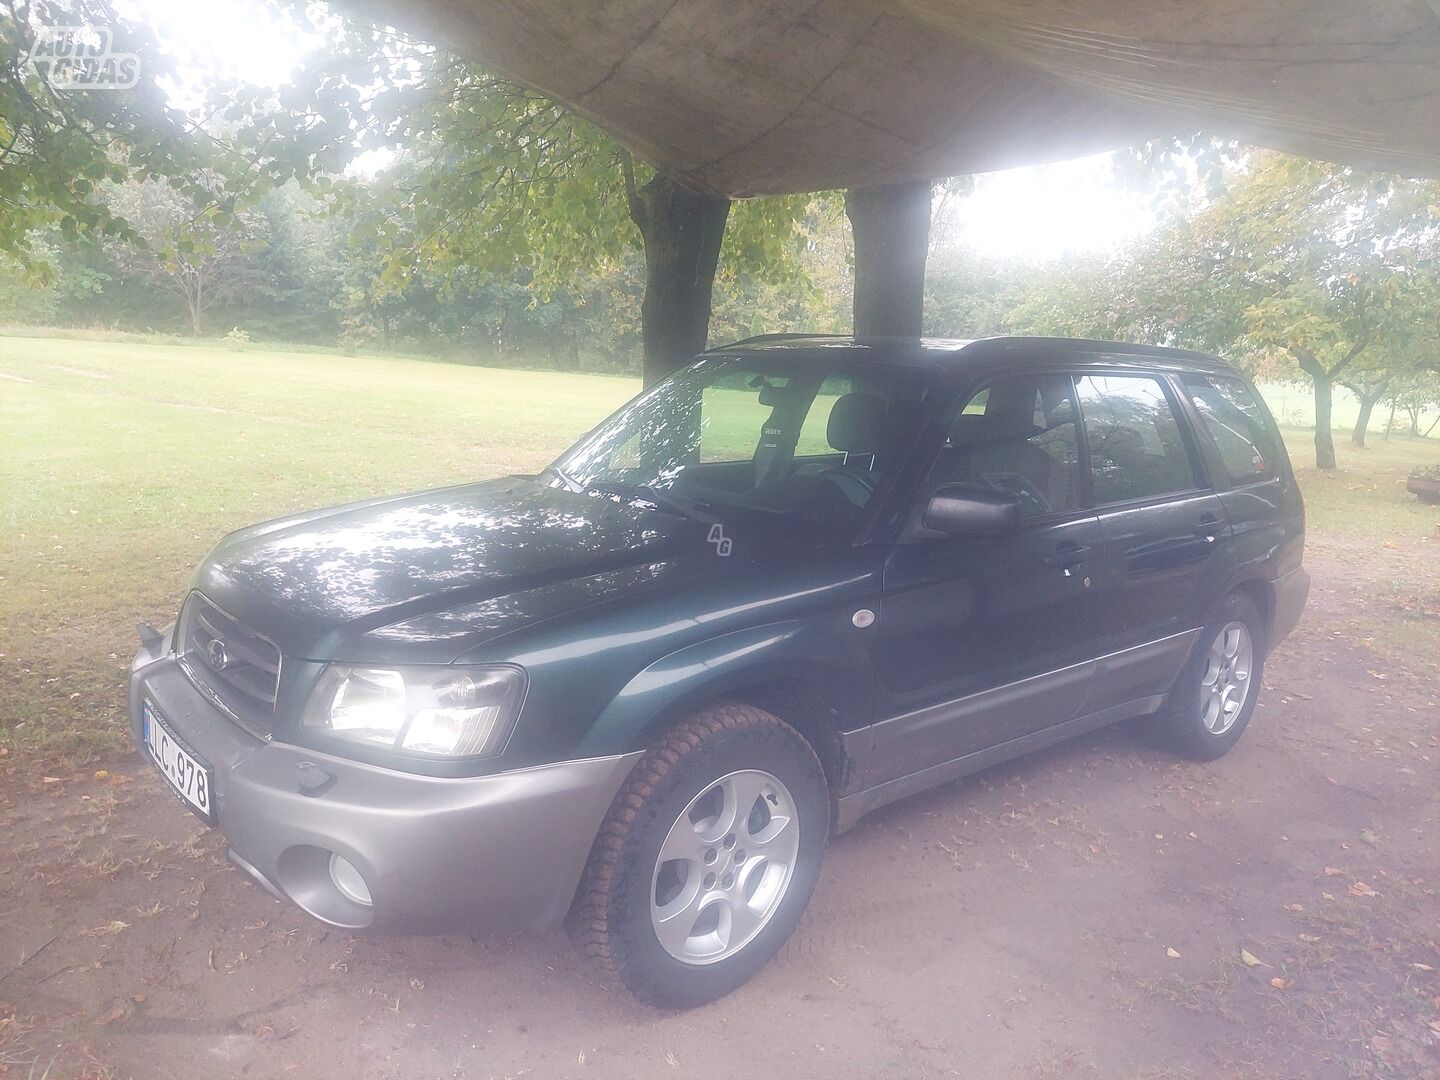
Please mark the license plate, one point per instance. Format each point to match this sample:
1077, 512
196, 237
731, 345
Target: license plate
190, 778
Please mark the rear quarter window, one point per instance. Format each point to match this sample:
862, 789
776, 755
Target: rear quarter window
1235, 425
1136, 447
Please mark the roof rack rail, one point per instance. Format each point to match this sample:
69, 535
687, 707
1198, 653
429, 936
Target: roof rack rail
756, 338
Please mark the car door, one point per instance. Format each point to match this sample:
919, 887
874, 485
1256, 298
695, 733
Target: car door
1166, 535
1257, 488
984, 639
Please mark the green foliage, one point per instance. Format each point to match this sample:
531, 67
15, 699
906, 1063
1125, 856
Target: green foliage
1173, 169
238, 340
59, 147
491, 176
1331, 265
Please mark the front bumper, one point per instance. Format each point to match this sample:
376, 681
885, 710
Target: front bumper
498, 852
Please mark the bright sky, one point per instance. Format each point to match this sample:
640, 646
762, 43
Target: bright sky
1040, 212
236, 39
1045, 211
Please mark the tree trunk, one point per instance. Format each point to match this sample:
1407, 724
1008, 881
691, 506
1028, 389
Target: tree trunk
683, 231
1323, 379
1368, 400
1324, 437
196, 300
891, 225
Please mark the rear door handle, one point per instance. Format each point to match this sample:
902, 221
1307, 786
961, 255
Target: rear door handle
1067, 556
1209, 528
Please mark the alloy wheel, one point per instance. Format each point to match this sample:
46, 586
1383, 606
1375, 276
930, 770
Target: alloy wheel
724, 867
1225, 686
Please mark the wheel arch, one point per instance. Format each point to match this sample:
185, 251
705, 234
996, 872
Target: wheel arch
818, 684
1261, 593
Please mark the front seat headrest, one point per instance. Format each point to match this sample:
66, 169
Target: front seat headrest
857, 423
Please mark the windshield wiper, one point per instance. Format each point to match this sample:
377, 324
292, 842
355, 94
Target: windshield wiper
644, 492
566, 479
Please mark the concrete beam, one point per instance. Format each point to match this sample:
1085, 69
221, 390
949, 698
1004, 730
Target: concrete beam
766, 96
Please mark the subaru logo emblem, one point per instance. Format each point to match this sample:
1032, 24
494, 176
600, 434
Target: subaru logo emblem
217, 654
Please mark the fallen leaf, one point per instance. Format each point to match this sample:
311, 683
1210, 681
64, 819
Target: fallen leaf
1331, 871
1361, 889
1172, 954
101, 774
50, 779
1422, 967
1281, 984
1249, 959
1297, 908
1369, 838
108, 928
1309, 939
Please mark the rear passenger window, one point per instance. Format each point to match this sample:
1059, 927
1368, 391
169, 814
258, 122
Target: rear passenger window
1235, 424
1018, 436
1136, 449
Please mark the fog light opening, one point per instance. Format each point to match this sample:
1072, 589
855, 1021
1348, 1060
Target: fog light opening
347, 879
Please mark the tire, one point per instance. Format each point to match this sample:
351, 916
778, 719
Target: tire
716, 940
1192, 725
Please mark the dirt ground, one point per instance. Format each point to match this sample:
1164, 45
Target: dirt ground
1097, 910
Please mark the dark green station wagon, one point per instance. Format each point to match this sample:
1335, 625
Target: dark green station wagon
801, 578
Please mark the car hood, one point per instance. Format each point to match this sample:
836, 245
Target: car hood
429, 575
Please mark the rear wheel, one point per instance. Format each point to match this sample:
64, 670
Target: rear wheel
1215, 695
706, 859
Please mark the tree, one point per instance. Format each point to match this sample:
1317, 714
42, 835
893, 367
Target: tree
184, 250
682, 231
60, 145
497, 177
1368, 387
1415, 392
891, 224
1318, 268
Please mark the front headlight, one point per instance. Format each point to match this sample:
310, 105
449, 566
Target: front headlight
437, 711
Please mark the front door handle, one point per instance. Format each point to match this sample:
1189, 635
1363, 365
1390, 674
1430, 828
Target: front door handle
1067, 556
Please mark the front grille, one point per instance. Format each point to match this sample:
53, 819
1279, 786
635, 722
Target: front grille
231, 664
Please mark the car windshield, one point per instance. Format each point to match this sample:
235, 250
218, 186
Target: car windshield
732, 435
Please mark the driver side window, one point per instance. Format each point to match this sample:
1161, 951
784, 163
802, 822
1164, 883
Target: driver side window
1018, 436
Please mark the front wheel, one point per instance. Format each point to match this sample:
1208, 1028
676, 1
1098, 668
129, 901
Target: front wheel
706, 859
1215, 695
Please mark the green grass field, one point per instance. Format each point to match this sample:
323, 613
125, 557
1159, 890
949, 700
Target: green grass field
121, 463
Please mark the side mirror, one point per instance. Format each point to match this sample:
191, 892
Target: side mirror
972, 510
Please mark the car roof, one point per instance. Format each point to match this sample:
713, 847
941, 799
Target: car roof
956, 354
